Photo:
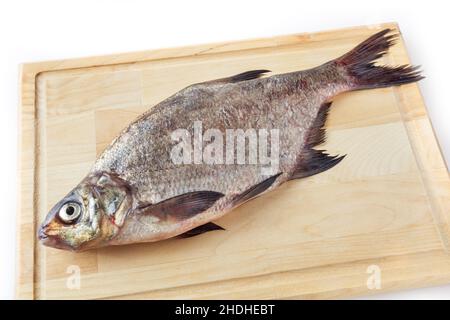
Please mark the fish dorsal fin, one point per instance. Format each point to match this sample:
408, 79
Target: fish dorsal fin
254, 190
201, 229
248, 75
312, 161
244, 76
183, 206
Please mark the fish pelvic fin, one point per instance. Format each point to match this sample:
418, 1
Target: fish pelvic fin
312, 161
200, 230
360, 66
254, 191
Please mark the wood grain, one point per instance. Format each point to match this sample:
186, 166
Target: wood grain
387, 204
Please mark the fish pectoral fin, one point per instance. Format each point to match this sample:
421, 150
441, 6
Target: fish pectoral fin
254, 190
183, 206
313, 162
201, 229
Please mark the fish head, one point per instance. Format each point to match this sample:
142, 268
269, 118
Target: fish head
88, 216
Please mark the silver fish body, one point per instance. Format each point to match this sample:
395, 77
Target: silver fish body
136, 192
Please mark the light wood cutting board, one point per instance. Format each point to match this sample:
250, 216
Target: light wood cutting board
382, 214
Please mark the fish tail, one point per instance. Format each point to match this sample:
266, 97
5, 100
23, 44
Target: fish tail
364, 74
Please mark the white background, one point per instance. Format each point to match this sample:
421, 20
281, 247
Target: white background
46, 30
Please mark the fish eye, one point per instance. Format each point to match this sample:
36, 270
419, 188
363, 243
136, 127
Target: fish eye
70, 211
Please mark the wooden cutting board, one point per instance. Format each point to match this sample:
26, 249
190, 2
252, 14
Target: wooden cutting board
378, 221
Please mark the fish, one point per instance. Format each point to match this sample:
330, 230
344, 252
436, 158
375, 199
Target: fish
155, 182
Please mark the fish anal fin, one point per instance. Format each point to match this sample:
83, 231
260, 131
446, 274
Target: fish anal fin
254, 190
316, 134
183, 206
312, 161
200, 230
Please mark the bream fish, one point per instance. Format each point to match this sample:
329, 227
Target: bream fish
137, 190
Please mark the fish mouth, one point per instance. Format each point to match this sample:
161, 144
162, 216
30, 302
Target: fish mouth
42, 236
46, 239
51, 241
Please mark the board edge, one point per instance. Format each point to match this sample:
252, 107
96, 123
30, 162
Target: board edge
440, 207
24, 289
